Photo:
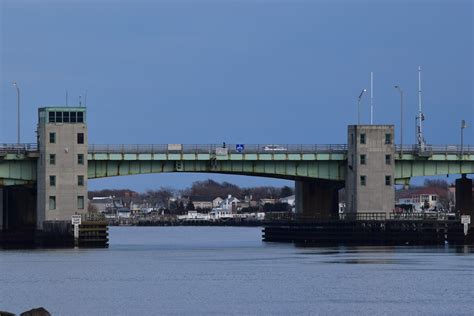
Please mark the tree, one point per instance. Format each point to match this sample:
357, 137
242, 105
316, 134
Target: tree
190, 206
286, 191
158, 197
212, 188
91, 208
436, 183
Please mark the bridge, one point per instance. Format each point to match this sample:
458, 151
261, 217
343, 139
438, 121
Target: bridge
284, 161
57, 168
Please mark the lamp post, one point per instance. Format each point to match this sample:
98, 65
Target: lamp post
401, 119
18, 109
358, 105
463, 126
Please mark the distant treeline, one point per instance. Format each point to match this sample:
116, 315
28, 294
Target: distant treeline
198, 188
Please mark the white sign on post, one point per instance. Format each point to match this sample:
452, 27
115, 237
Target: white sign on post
466, 220
76, 221
76, 231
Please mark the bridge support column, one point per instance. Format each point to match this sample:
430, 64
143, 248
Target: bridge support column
1, 209
319, 198
464, 202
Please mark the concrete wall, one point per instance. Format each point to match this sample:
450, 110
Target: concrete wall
375, 195
66, 169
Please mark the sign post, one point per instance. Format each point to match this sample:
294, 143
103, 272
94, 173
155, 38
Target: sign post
76, 221
466, 220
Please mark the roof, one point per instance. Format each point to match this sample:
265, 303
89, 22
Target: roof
63, 108
198, 198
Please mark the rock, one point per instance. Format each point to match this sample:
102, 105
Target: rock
40, 311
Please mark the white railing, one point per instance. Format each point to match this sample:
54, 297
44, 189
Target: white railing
236, 148
436, 149
18, 148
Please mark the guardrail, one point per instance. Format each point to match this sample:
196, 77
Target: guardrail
436, 149
372, 216
238, 148
213, 148
18, 148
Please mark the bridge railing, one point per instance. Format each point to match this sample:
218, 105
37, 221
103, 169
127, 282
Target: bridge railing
18, 148
436, 149
213, 148
366, 216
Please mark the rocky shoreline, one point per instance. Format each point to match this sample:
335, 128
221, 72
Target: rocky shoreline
40, 311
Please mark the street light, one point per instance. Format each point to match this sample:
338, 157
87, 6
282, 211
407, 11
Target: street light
18, 109
358, 105
463, 126
401, 119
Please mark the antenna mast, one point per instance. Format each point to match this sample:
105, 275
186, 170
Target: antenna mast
371, 98
421, 117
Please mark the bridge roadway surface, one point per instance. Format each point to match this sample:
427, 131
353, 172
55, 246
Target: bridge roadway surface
292, 162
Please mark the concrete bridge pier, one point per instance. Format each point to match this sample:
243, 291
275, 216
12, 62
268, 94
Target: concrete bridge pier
317, 198
1, 209
464, 201
17, 215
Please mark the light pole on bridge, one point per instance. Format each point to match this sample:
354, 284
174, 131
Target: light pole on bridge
18, 110
401, 119
358, 105
463, 126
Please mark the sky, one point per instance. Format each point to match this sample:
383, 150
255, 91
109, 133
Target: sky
251, 72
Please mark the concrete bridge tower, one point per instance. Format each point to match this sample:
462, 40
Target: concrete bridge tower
62, 164
370, 169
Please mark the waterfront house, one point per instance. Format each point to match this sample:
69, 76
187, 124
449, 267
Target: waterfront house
204, 202
423, 199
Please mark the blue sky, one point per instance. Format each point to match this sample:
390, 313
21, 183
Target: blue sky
236, 71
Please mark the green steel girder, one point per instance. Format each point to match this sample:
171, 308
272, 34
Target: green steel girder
405, 169
9, 182
208, 157
330, 170
20, 170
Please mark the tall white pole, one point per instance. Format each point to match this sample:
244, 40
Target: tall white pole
371, 98
18, 110
421, 139
420, 115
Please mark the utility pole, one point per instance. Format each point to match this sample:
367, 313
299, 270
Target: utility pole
18, 111
358, 106
463, 126
421, 117
401, 119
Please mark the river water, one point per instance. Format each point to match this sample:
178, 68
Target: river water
230, 271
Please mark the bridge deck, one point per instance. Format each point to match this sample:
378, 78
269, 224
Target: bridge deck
18, 161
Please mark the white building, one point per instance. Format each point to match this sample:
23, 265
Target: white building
194, 216
229, 204
220, 214
425, 199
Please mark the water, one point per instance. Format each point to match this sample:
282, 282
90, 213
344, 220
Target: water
227, 270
